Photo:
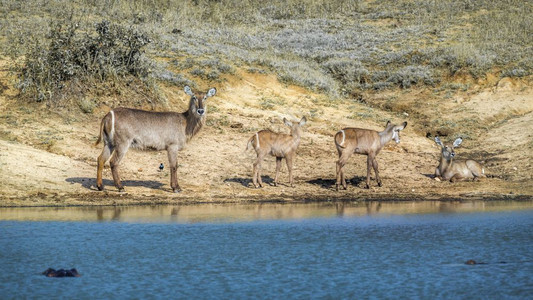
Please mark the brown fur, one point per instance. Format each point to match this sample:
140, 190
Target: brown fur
279, 145
147, 130
453, 170
366, 142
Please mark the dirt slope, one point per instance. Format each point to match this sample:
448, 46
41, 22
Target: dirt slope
49, 158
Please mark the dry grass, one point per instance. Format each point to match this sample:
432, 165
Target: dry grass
338, 47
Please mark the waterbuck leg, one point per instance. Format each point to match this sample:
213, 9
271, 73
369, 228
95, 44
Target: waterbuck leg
256, 174
278, 167
114, 163
455, 178
437, 173
369, 160
173, 162
343, 158
259, 180
106, 153
375, 165
288, 160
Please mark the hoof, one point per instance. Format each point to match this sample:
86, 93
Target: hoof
100, 187
177, 190
380, 184
367, 186
121, 190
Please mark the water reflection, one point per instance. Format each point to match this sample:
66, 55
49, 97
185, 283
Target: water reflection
251, 212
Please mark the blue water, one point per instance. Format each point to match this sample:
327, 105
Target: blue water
350, 257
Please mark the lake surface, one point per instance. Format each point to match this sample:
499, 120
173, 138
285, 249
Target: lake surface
299, 251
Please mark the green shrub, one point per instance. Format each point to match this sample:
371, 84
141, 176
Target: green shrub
113, 51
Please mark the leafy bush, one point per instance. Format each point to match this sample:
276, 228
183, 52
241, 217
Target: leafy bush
113, 52
329, 46
411, 75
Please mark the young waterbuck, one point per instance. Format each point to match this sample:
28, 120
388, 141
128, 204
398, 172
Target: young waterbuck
123, 128
366, 142
279, 145
453, 170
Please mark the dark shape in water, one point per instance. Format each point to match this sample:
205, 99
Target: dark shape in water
473, 262
61, 273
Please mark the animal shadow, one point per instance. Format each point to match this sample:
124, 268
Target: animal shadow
330, 183
247, 182
356, 180
243, 181
90, 183
323, 183
430, 176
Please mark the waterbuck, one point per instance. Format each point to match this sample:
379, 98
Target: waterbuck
279, 145
123, 128
363, 141
453, 170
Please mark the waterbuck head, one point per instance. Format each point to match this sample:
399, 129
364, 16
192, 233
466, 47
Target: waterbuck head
396, 130
295, 127
197, 105
448, 152
197, 110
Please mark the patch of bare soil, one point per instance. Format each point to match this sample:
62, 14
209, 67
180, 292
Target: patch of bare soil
49, 158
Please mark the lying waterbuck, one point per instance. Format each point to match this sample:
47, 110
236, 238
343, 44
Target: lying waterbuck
363, 141
123, 128
279, 145
453, 170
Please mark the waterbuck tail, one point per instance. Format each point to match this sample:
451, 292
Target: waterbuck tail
255, 136
101, 133
102, 128
342, 137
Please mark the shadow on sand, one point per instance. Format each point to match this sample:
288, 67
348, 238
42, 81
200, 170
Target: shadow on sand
247, 182
330, 183
90, 183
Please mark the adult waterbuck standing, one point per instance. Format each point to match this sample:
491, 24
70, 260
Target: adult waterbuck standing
123, 128
453, 170
363, 141
279, 145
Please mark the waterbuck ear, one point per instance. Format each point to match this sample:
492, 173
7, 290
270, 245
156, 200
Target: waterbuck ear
400, 127
287, 122
457, 142
437, 140
188, 91
303, 121
211, 92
